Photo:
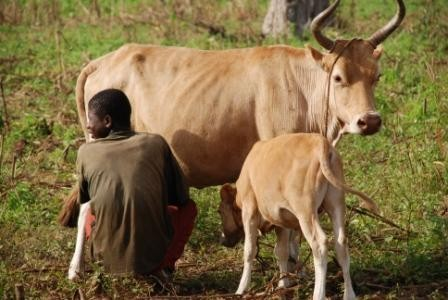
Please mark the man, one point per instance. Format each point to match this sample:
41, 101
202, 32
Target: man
141, 215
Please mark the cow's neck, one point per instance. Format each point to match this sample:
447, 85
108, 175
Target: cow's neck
312, 81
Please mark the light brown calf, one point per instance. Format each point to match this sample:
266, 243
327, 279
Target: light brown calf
283, 183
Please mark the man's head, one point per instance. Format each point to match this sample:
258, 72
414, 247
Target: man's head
108, 110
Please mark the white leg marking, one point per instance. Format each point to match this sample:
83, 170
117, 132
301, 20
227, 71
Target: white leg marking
77, 262
250, 250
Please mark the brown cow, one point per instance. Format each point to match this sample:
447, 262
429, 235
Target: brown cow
283, 183
212, 106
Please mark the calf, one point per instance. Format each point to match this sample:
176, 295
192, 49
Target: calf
283, 183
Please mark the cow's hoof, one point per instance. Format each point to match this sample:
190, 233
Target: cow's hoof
72, 274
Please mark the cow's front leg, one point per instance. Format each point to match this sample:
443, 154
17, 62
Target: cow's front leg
77, 262
250, 248
281, 250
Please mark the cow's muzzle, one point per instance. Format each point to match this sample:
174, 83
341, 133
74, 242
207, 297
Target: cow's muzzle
370, 123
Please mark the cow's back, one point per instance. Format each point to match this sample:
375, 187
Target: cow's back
211, 106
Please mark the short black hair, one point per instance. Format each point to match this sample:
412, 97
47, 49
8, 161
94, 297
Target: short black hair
115, 103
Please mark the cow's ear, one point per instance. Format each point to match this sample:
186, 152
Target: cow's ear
317, 56
378, 51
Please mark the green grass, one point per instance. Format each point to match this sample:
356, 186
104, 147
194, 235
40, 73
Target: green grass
404, 167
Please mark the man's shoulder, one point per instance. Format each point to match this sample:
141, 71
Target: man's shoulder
88, 146
83, 155
83, 148
150, 138
148, 135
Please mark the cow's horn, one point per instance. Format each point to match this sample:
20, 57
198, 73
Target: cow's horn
393, 24
318, 22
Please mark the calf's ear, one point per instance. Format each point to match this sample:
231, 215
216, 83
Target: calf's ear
228, 193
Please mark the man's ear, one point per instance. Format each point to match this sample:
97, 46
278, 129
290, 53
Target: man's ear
108, 121
378, 51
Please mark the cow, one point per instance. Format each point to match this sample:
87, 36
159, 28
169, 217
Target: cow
283, 183
212, 106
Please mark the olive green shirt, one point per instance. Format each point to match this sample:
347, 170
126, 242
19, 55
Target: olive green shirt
129, 179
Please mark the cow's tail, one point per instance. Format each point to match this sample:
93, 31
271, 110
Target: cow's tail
68, 216
80, 94
329, 175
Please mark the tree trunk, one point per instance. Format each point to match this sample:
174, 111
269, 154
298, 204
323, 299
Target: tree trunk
300, 12
275, 22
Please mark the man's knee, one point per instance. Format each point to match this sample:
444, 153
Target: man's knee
90, 221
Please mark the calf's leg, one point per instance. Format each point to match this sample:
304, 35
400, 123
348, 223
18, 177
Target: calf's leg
293, 245
295, 263
250, 247
317, 239
281, 250
335, 206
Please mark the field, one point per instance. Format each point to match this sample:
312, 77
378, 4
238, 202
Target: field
45, 43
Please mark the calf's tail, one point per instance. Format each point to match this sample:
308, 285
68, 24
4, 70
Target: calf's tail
329, 175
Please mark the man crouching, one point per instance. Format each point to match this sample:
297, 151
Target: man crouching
140, 214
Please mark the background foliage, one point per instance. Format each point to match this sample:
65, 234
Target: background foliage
45, 43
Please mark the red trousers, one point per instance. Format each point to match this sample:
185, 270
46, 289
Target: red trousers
182, 220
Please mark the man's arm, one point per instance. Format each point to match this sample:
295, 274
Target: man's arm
83, 195
174, 177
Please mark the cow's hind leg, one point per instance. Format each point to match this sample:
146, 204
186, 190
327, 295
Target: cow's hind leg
317, 239
281, 250
250, 246
77, 262
335, 207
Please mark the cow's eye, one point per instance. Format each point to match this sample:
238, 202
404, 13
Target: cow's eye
337, 78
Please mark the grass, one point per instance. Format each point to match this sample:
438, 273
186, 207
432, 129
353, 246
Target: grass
404, 167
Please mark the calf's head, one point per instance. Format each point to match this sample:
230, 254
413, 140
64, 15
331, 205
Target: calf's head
232, 224
353, 71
